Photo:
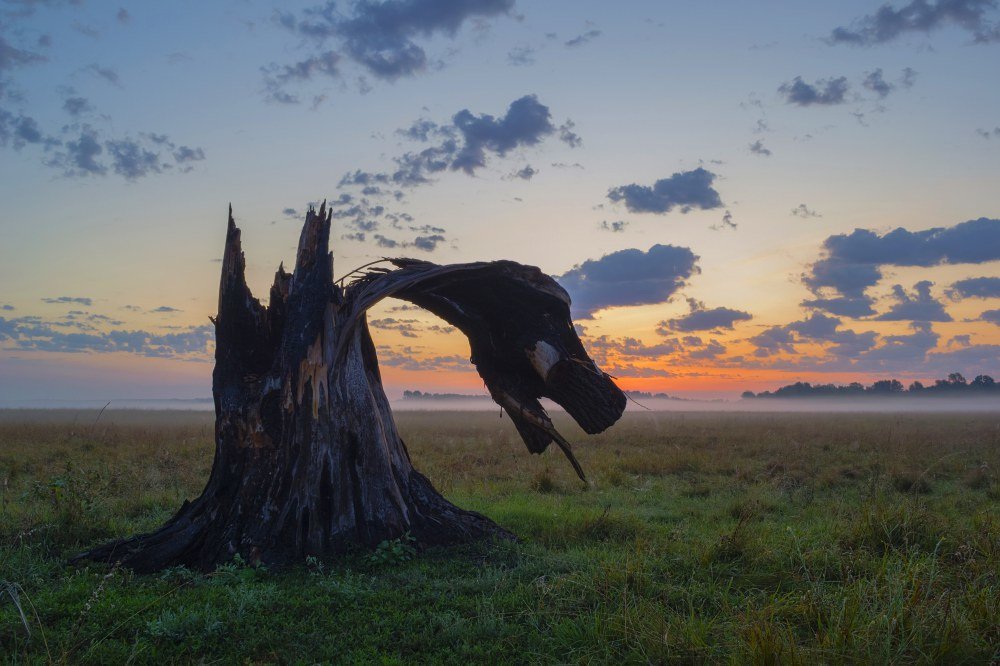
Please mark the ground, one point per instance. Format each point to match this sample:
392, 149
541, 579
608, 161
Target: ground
703, 538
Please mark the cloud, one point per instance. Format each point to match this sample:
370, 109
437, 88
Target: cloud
582, 39
981, 287
725, 223
132, 158
986, 134
843, 306
711, 351
379, 37
628, 277
414, 359
772, 341
423, 130
568, 136
109, 74
69, 299
28, 333
818, 328
21, 131
184, 155
527, 173
804, 212
276, 76
992, 316
76, 106
878, 85
466, 144
902, 350
521, 56
526, 122
7, 307
405, 327
686, 190
12, 57
757, 148
701, 318
960, 341
920, 16
852, 262
618, 353
123, 16
165, 309
426, 243
825, 92
87, 30
80, 157
617, 226
919, 306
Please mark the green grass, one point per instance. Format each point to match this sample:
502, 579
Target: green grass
741, 538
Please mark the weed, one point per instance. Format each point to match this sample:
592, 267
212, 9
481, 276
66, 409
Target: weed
394, 552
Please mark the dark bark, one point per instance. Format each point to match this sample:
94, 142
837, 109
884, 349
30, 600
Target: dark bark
307, 457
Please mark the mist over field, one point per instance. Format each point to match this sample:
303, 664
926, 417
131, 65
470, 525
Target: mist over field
901, 405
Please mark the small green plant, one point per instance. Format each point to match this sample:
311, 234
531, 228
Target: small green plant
238, 570
314, 565
196, 627
395, 551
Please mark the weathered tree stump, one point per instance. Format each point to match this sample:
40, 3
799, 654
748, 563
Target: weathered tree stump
307, 457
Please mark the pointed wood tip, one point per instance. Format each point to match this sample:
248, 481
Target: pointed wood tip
314, 241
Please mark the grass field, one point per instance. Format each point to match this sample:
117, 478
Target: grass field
743, 538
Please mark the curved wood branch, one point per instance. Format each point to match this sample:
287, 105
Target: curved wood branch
523, 342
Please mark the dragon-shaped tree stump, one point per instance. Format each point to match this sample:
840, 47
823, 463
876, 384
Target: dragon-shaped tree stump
308, 461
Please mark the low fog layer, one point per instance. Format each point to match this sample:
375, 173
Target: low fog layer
484, 404
863, 404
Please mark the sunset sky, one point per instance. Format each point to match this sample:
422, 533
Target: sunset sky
736, 195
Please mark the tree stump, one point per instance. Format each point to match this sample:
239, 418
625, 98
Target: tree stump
308, 461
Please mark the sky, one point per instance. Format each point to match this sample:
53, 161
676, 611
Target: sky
736, 195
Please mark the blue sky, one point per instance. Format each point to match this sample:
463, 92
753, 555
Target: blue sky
753, 139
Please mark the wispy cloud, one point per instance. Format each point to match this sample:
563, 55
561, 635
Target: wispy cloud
583, 38
69, 300
804, 211
977, 17
824, 92
380, 38
31, 334
758, 148
701, 318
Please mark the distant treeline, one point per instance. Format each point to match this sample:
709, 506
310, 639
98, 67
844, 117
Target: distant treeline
421, 395
954, 386
646, 395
